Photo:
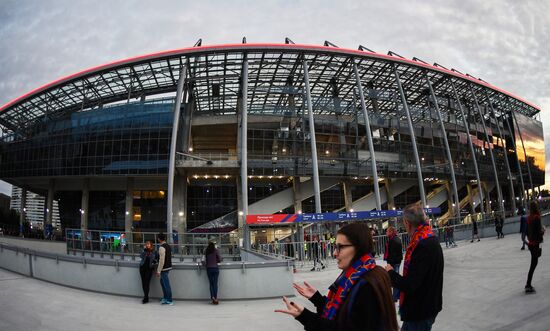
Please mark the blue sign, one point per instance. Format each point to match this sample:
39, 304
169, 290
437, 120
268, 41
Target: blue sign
330, 217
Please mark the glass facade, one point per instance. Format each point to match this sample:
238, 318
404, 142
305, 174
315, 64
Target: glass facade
127, 139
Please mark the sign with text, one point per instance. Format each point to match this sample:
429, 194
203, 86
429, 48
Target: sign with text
329, 217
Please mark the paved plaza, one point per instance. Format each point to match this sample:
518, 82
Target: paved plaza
483, 290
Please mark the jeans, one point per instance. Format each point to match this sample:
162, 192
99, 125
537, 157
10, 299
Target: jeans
422, 325
146, 275
165, 284
396, 292
534, 249
213, 274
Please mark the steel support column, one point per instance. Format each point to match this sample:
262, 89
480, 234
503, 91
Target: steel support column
173, 144
518, 164
456, 204
316, 186
472, 150
85, 202
510, 181
22, 210
369, 137
497, 182
244, 153
524, 154
48, 206
413, 138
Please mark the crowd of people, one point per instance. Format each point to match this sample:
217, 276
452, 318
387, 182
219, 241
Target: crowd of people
361, 298
160, 263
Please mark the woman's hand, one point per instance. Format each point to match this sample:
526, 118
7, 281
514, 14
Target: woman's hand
291, 308
307, 291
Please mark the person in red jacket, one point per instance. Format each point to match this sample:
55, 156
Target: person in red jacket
535, 232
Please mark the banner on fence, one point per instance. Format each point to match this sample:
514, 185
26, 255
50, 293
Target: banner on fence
329, 217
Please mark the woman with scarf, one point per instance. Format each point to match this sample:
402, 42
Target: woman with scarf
147, 265
421, 285
535, 233
359, 299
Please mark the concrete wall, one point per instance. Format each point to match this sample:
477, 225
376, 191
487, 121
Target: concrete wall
237, 280
57, 247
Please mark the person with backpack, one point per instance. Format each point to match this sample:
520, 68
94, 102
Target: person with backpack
147, 265
359, 299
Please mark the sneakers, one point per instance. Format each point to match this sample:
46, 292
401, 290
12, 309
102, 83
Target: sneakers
165, 302
530, 289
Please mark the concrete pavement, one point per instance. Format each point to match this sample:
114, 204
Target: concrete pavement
483, 290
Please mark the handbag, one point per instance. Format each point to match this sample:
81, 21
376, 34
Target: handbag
153, 261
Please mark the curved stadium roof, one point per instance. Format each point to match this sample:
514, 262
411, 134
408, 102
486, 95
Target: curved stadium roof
274, 71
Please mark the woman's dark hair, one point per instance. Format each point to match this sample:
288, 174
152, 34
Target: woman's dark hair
161, 236
379, 279
534, 208
359, 235
210, 249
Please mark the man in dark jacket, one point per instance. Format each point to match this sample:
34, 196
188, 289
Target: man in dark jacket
421, 285
393, 254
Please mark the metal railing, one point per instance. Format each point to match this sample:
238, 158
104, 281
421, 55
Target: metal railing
188, 245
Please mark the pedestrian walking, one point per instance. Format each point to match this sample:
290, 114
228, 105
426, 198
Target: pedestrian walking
163, 269
421, 285
316, 254
147, 266
393, 254
212, 258
523, 228
474, 231
535, 233
359, 299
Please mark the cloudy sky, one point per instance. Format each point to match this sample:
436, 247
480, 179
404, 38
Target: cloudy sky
503, 42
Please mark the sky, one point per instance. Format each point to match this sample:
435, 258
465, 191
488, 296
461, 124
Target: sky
503, 42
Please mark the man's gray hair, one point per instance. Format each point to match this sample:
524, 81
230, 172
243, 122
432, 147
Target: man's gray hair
414, 213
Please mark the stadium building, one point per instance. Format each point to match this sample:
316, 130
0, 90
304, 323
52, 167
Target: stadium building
195, 139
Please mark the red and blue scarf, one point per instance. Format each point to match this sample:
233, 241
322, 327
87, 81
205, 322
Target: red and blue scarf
344, 283
423, 231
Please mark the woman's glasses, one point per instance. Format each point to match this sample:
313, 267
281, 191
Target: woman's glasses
338, 247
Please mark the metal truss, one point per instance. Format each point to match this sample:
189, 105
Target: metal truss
275, 85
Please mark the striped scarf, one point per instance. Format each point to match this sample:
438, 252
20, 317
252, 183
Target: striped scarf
343, 284
422, 232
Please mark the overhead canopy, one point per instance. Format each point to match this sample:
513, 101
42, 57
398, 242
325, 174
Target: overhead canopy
274, 76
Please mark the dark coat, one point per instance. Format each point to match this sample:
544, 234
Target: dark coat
534, 230
523, 224
395, 251
364, 314
423, 285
